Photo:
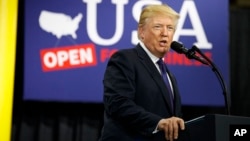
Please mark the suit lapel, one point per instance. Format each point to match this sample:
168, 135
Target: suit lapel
150, 67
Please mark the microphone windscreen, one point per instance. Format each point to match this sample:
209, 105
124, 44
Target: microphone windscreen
177, 47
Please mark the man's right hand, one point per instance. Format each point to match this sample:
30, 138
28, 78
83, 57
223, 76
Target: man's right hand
171, 126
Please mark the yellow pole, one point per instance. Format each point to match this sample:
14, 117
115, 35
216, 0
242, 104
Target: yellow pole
8, 26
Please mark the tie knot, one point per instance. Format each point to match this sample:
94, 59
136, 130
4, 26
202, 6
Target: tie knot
160, 61
161, 65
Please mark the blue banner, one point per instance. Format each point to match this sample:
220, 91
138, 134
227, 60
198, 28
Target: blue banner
68, 44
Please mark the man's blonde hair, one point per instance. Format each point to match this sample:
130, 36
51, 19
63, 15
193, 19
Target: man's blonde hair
154, 10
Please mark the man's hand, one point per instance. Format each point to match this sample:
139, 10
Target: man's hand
171, 127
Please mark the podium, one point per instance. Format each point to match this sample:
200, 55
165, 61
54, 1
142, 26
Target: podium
213, 127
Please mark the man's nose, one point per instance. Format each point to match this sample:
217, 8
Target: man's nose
164, 31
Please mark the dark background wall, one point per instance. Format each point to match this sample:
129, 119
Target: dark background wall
239, 57
54, 121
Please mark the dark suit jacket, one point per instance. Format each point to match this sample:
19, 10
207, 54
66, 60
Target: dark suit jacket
135, 98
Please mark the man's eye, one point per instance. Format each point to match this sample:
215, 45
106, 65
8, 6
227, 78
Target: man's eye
157, 27
170, 28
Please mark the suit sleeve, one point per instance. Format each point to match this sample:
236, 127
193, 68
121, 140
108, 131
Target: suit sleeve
119, 93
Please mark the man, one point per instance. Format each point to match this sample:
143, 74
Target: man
137, 101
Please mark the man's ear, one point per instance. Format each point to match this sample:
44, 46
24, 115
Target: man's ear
140, 32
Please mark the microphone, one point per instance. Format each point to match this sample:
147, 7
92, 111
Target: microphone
190, 54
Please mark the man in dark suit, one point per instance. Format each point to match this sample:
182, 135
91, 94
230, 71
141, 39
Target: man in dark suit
138, 104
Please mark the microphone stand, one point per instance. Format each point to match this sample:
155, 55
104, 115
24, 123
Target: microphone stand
217, 73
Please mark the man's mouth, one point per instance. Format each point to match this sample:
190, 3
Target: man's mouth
163, 43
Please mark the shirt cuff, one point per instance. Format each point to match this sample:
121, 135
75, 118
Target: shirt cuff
156, 130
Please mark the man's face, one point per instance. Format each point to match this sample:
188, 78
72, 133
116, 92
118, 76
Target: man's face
157, 34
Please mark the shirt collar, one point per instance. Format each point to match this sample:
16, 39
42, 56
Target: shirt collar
151, 56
